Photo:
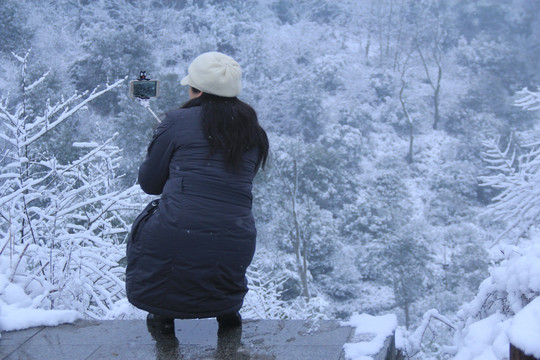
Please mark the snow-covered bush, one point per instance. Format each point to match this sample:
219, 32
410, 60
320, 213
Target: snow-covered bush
264, 299
62, 225
513, 284
480, 328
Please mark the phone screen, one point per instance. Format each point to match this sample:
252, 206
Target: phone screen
143, 88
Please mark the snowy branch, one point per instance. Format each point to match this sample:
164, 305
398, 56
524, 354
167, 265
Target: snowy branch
51, 111
415, 339
27, 186
22, 59
89, 156
37, 82
67, 113
529, 100
6, 114
497, 158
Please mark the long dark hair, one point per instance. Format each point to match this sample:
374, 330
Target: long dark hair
231, 125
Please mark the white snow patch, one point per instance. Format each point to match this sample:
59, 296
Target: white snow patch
18, 309
378, 328
485, 340
13, 318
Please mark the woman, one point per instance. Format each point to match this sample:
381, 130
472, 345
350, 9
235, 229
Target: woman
188, 253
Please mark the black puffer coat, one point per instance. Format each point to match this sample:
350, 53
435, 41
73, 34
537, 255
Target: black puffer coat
188, 254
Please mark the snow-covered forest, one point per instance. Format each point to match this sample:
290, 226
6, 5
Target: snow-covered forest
403, 169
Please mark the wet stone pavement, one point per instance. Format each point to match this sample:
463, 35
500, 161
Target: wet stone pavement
195, 339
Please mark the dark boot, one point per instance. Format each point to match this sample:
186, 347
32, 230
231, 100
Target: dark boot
229, 320
159, 325
229, 344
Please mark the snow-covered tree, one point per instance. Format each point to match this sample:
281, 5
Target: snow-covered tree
62, 225
515, 177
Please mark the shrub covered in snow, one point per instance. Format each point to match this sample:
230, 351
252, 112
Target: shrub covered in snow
512, 285
265, 297
62, 225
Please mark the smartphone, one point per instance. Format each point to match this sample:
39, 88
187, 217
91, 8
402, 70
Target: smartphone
143, 89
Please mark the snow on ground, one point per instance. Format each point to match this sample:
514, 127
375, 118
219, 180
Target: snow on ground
14, 318
18, 310
379, 327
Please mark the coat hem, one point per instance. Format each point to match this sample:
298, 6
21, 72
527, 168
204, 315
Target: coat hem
183, 315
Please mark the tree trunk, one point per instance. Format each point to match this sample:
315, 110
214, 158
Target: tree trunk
407, 315
435, 86
301, 261
409, 156
436, 97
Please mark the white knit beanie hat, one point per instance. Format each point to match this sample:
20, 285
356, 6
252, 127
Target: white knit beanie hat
215, 73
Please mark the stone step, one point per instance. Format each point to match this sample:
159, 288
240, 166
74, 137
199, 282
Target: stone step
195, 339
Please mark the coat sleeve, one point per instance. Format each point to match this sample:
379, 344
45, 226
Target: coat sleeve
154, 171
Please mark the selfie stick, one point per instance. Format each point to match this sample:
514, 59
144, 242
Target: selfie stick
145, 101
146, 104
